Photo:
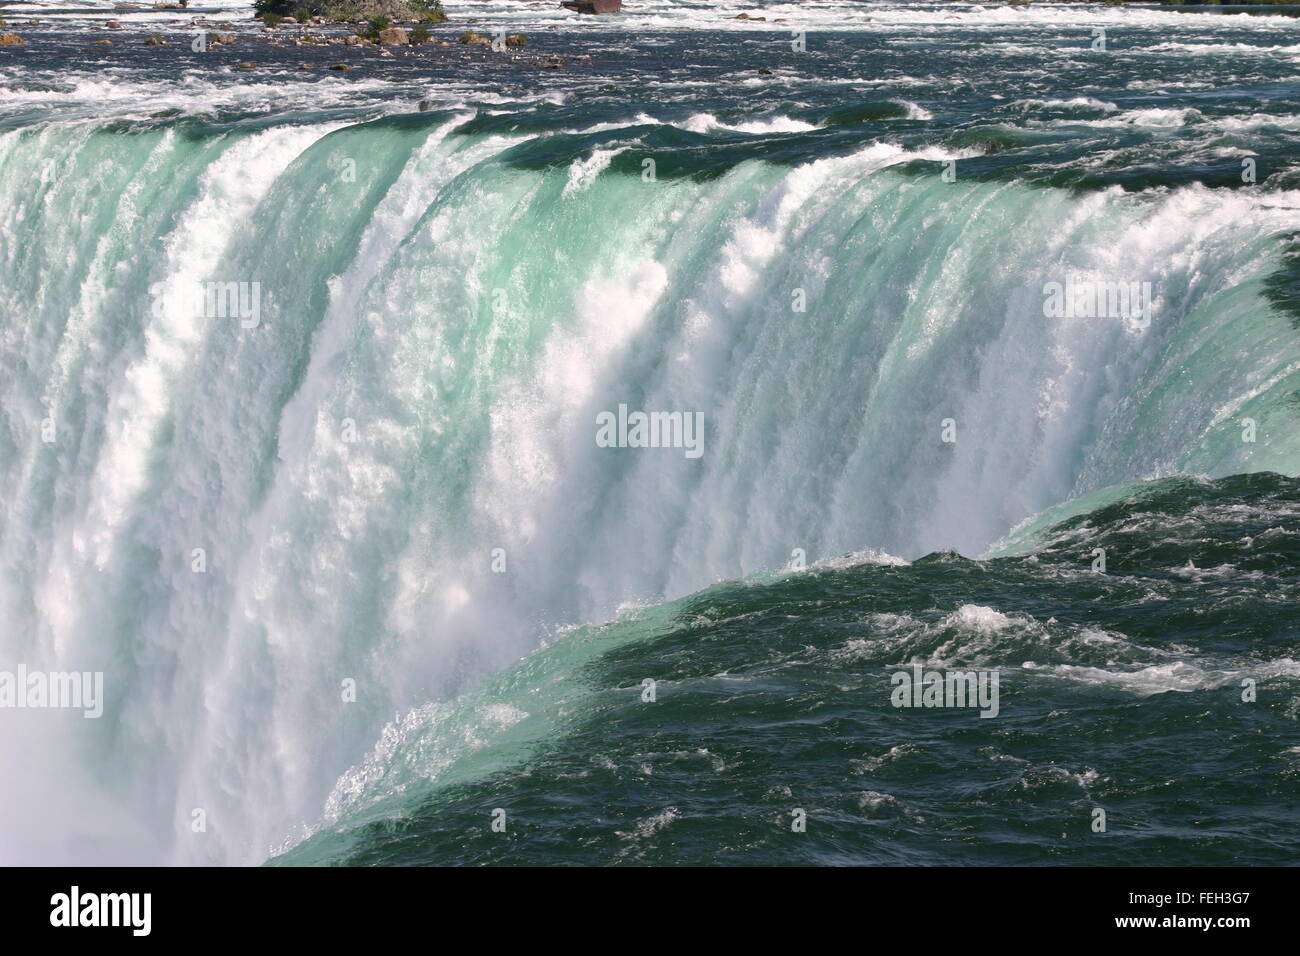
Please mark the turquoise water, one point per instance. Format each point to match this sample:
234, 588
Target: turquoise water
461, 260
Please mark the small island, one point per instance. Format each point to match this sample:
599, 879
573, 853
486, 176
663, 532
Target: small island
393, 11
350, 11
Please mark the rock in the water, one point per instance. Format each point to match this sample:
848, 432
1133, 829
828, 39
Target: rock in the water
364, 11
593, 6
10, 39
393, 36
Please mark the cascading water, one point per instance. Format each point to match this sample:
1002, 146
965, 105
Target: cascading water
233, 521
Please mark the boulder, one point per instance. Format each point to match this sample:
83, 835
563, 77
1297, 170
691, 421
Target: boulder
393, 36
593, 6
10, 39
361, 11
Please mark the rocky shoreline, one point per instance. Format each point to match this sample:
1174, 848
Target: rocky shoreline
277, 45
395, 11
385, 25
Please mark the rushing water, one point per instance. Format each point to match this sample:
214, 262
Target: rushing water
837, 254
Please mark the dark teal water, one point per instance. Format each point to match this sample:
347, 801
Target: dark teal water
1120, 691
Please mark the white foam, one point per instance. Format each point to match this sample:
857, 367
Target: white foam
1170, 677
584, 172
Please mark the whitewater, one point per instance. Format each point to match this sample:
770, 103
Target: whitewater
390, 486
